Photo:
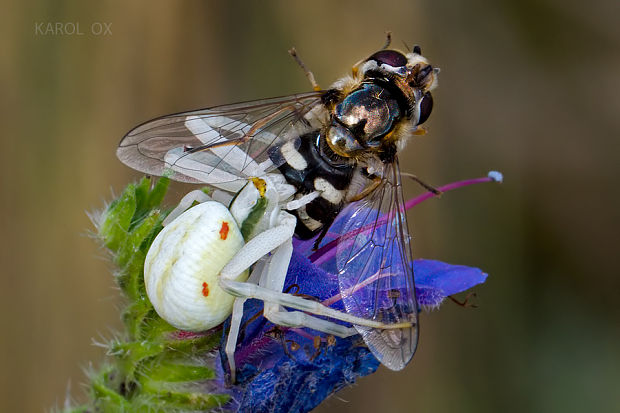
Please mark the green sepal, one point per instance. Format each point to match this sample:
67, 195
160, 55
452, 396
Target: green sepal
163, 372
253, 218
130, 256
171, 400
106, 399
115, 221
193, 345
142, 194
135, 315
131, 355
148, 199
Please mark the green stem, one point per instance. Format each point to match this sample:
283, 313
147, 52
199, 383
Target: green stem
152, 367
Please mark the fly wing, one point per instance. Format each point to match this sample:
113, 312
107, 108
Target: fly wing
375, 270
223, 145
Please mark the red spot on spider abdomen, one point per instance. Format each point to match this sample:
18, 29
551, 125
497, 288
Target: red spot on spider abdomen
224, 230
205, 289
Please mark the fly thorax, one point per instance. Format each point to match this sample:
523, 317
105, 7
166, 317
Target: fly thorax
362, 119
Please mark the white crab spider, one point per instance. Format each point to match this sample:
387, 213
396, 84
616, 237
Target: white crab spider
199, 263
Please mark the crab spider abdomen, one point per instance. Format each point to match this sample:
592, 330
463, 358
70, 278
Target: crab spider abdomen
182, 267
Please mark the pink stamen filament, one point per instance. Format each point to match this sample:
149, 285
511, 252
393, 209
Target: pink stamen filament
355, 288
338, 297
328, 251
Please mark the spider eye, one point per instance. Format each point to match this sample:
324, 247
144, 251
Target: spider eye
426, 107
389, 57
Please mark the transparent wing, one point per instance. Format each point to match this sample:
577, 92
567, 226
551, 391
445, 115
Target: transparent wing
375, 271
222, 145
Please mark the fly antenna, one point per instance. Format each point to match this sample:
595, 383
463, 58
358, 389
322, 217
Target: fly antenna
388, 40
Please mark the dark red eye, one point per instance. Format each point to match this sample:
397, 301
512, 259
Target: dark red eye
426, 107
389, 57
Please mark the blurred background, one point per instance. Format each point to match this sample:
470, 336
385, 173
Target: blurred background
531, 88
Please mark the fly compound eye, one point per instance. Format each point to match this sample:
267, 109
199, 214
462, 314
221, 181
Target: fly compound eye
426, 107
389, 57
341, 140
421, 76
367, 114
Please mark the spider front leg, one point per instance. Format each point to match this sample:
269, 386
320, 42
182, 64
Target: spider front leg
271, 285
276, 314
272, 273
278, 241
185, 203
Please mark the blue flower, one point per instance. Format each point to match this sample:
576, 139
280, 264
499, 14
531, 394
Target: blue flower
293, 370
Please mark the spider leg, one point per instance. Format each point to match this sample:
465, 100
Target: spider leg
235, 323
186, 202
233, 333
272, 283
273, 279
275, 244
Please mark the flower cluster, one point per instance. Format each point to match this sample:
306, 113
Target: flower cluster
289, 369
283, 370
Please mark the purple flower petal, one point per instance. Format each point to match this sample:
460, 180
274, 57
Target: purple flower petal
281, 369
284, 369
435, 280
293, 370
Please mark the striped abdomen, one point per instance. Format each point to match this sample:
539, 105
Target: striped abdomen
308, 170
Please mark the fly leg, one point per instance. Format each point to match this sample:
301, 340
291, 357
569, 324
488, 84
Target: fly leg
465, 302
307, 71
423, 184
278, 333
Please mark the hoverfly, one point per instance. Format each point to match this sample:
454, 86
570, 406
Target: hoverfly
334, 153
